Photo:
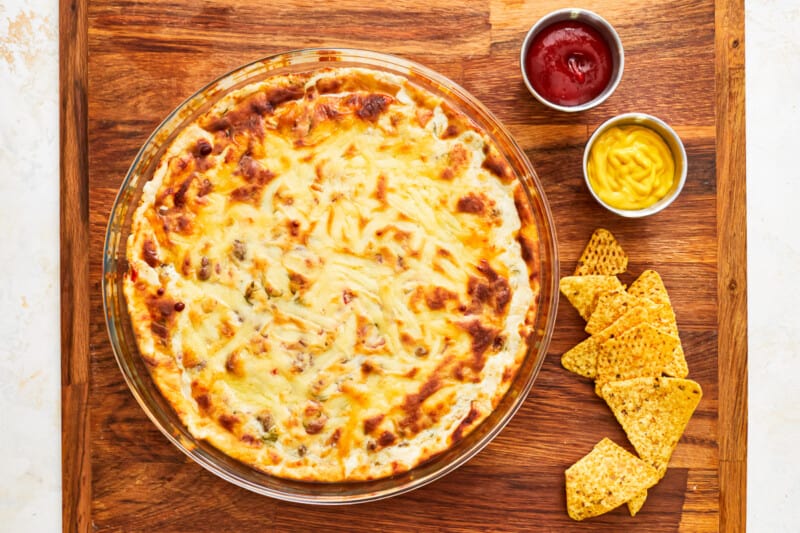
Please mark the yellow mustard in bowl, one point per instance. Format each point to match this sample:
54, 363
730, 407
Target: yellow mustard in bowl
630, 167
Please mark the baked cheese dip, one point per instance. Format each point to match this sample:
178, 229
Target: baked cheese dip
333, 276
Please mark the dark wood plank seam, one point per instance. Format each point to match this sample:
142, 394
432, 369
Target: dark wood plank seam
74, 221
732, 255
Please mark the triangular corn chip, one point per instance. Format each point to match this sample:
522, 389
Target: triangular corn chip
583, 291
639, 351
604, 479
677, 367
654, 413
610, 306
650, 285
582, 358
635, 504
603, 255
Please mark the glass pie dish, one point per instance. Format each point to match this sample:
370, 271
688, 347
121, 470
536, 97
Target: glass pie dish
135, 370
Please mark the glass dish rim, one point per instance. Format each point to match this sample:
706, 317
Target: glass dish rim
207, 456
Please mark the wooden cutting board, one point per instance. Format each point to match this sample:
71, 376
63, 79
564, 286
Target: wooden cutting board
126, 64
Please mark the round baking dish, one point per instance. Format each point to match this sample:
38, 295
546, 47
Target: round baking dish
134, 368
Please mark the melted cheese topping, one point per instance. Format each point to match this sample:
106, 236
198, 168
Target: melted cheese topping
329, 275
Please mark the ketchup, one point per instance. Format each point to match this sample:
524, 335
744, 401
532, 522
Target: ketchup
569, 63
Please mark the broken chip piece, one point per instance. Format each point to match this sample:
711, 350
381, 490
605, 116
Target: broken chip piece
584, 291
635, 504
602, 255
604, 479
654, 412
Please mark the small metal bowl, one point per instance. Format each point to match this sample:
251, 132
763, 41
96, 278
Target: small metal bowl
678, 155
605, 29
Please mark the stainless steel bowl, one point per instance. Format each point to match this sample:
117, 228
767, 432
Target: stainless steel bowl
135, 370
678, 155
605, 29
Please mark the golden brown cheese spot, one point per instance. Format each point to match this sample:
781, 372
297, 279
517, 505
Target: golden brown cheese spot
347, 296
458, 434
250, 440
471, 203
229, 422
324, 111
190, 359
482, 338
181, 166
438, 296
369, 107
204, 272
333, 440
368, 368
372, 423
179, 198
451, 131
248, 114
314, 419
202, 148
149, 253
162, 315
523, 206
250, 194
412, 405
204, 188
329, 85
493, 290
423, 116
494, 163
254, 172
297, 282
380, 190
235, 365
201, 396
387, 438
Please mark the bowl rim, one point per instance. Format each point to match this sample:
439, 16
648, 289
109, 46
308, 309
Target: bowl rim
144, 390
597, 22
672, 140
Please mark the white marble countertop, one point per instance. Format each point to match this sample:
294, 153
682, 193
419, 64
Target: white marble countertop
30, 455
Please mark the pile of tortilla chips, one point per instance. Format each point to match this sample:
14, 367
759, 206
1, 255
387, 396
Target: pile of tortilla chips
635, 356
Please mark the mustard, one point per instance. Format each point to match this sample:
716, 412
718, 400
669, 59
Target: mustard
630, 167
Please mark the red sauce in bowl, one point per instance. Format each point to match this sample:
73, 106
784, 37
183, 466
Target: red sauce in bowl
569, 63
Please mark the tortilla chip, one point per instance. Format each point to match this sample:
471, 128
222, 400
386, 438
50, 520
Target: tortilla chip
604, 479
650, 285
584, 291
639, 351
635, 504
654, 412
603, 255
582, 358
677, 367
610, 306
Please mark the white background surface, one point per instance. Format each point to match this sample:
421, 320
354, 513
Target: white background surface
772, 52
30, 455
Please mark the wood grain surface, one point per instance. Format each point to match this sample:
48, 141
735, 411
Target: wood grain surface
125, 64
